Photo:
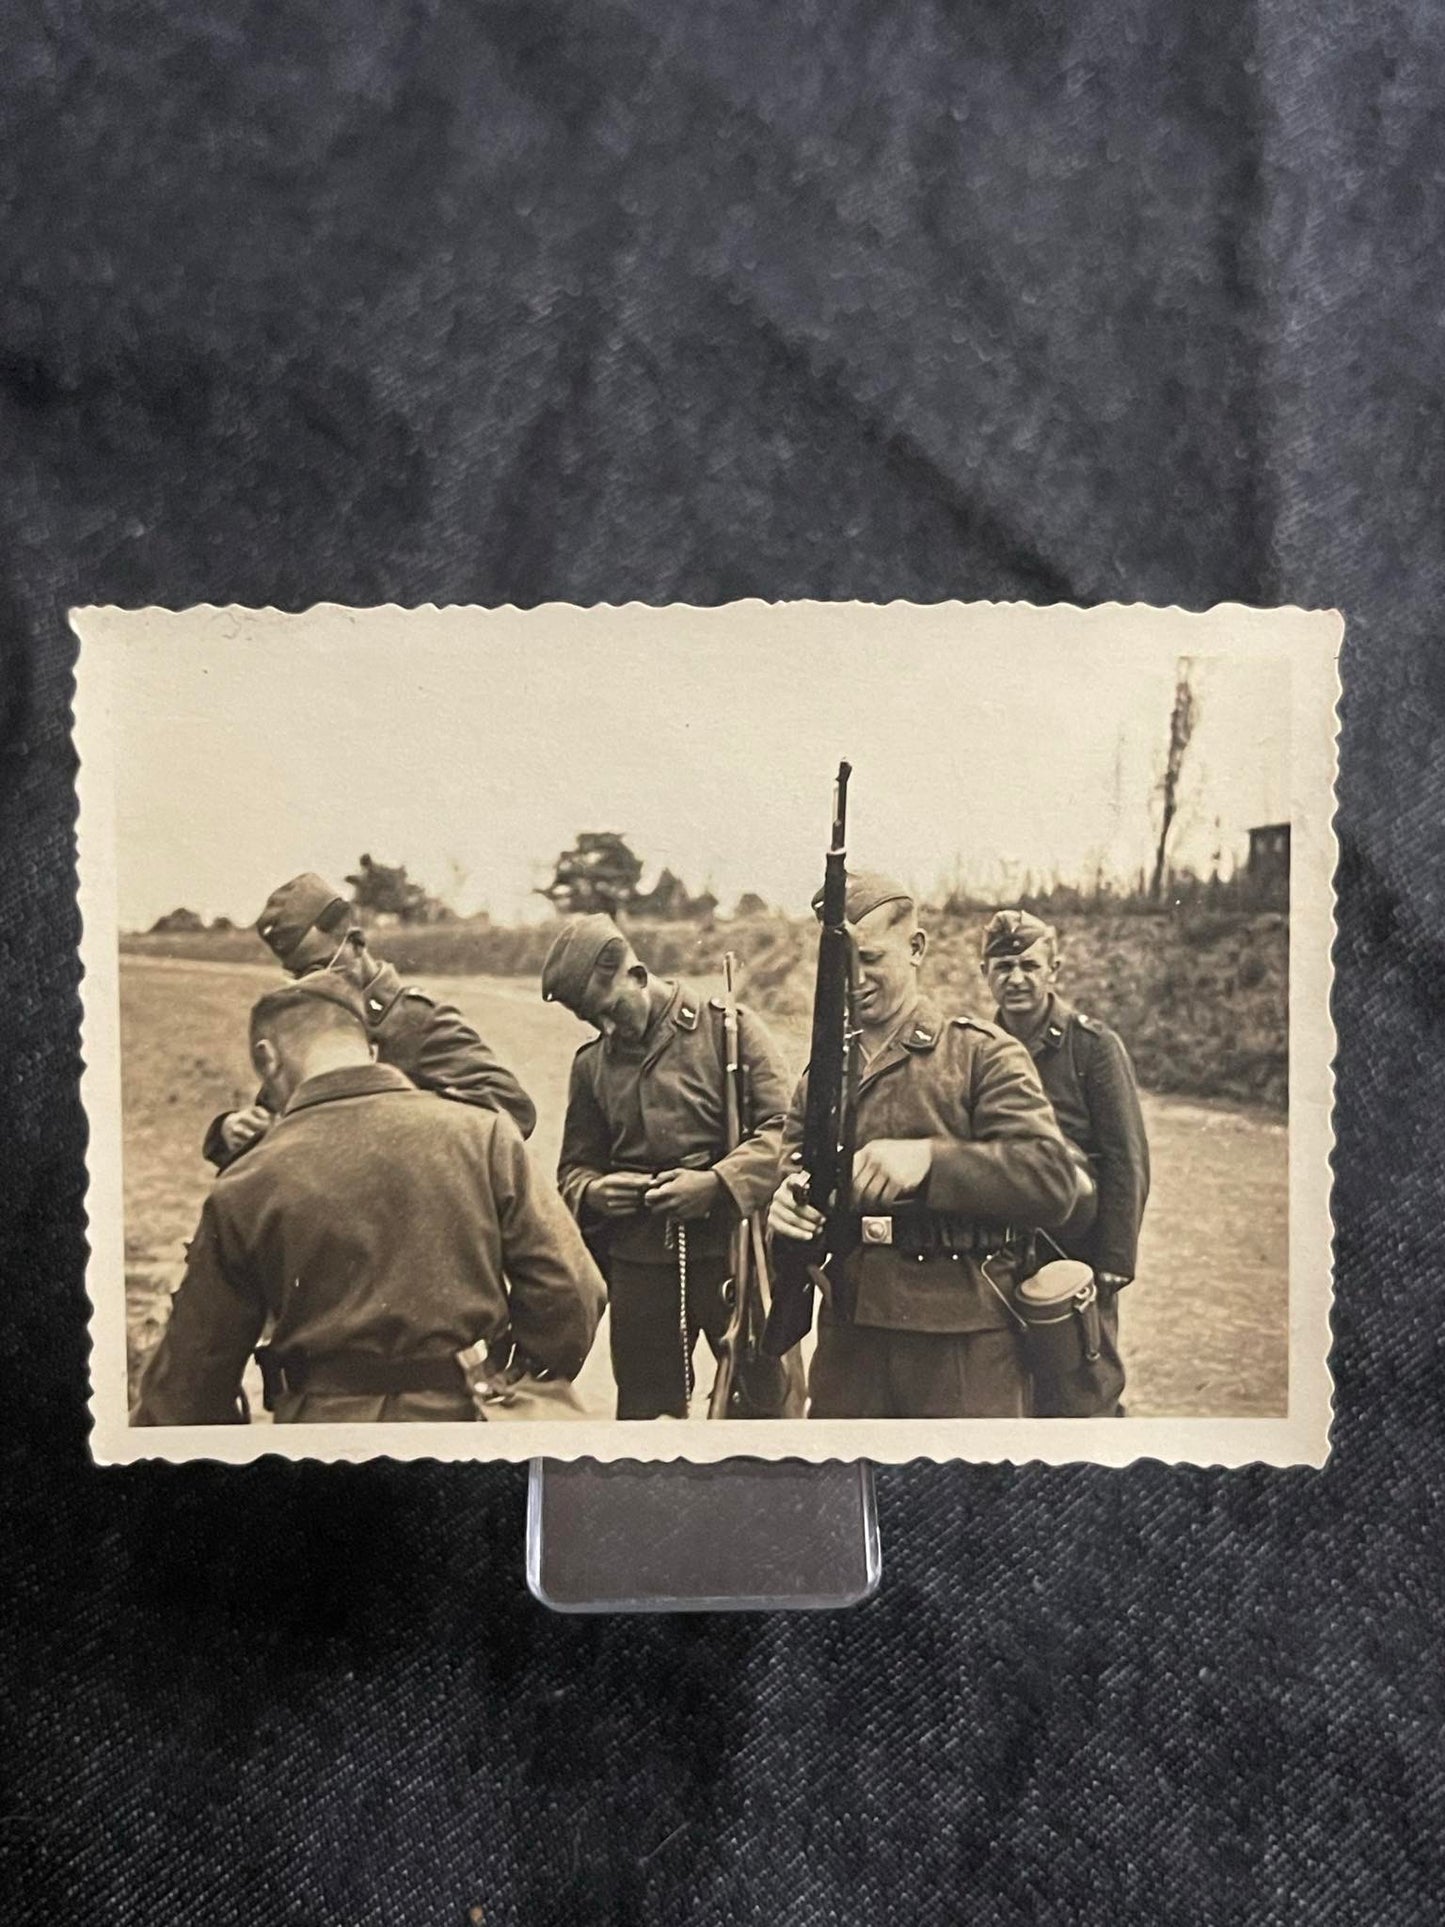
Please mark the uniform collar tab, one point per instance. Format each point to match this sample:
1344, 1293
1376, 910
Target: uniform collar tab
381, 993
1056, 1023
923, 1029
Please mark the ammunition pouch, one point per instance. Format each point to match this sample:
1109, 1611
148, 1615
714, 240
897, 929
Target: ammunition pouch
916, 1232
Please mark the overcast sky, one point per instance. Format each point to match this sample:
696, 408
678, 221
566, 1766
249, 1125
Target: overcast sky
477, 745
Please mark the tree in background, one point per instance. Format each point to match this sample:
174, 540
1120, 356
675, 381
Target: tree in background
1183, 718
385, 890
599, 873
670, 901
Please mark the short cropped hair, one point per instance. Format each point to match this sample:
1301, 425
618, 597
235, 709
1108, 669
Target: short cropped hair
293, 1012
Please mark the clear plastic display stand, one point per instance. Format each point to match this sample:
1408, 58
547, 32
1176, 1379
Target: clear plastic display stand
739, 1536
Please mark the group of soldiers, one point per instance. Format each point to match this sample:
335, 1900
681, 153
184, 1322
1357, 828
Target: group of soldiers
379, 1221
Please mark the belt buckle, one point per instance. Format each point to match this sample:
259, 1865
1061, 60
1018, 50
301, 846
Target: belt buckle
877, 1231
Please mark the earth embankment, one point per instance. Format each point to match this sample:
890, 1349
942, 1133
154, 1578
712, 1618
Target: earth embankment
1200, 998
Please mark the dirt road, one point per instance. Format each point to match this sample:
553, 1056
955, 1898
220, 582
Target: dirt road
1204, 1328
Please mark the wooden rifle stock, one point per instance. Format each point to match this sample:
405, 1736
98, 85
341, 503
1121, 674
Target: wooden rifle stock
825, 1159
749, 1250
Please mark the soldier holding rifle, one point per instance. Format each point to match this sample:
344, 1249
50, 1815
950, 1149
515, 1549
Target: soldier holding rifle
957, 1151
648, 1165
741, 1364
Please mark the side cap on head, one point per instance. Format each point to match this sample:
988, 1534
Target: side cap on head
307, 902
570, 961
1009, 933
867, 891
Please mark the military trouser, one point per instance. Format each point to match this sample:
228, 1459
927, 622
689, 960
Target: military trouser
374, 1408
1094, 1390
867, 1371
645, 1329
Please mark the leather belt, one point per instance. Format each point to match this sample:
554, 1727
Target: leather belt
919, 1233
363, 1374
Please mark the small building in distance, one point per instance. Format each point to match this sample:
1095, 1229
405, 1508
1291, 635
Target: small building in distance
1268, 867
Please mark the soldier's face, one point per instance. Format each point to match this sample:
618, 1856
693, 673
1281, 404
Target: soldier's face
320, 950
616, 1002
1022, 985
888, 958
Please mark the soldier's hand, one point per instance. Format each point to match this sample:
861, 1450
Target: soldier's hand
790, 1215
241, 1128
683, 1194
891, 1168
618, 1195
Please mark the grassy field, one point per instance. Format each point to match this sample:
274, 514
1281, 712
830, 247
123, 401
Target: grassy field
1204, 1328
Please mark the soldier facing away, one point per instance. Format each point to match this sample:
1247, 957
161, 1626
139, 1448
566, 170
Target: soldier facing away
311, 927
381, 1229
644, 1168
958, 1152
1086, 1072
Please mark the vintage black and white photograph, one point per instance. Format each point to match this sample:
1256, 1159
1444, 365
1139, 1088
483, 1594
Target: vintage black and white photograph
800, 1030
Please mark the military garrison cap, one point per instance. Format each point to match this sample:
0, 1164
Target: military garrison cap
307, 902
868, 890
1009, 933
573, 956
322, 986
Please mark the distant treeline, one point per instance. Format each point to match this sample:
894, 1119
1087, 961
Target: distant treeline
1184, 890
1199, 990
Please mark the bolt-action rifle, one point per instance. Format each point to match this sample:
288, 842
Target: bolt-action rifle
824, 1175
746, 1288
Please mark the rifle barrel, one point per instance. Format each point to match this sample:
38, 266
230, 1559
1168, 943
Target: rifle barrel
825, 1155
840, 808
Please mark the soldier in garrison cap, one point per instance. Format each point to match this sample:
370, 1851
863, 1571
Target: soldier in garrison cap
644, 1168
958, 1151
310, 927
1086, 1071
371, 1294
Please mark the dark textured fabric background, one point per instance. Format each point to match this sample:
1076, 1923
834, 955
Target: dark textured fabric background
658, 299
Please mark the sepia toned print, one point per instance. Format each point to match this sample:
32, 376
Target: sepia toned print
800, 1030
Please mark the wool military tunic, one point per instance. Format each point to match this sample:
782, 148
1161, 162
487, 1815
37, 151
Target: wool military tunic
999, 1162
659, 1105
1086, 1072
433, 1045
372, 1220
